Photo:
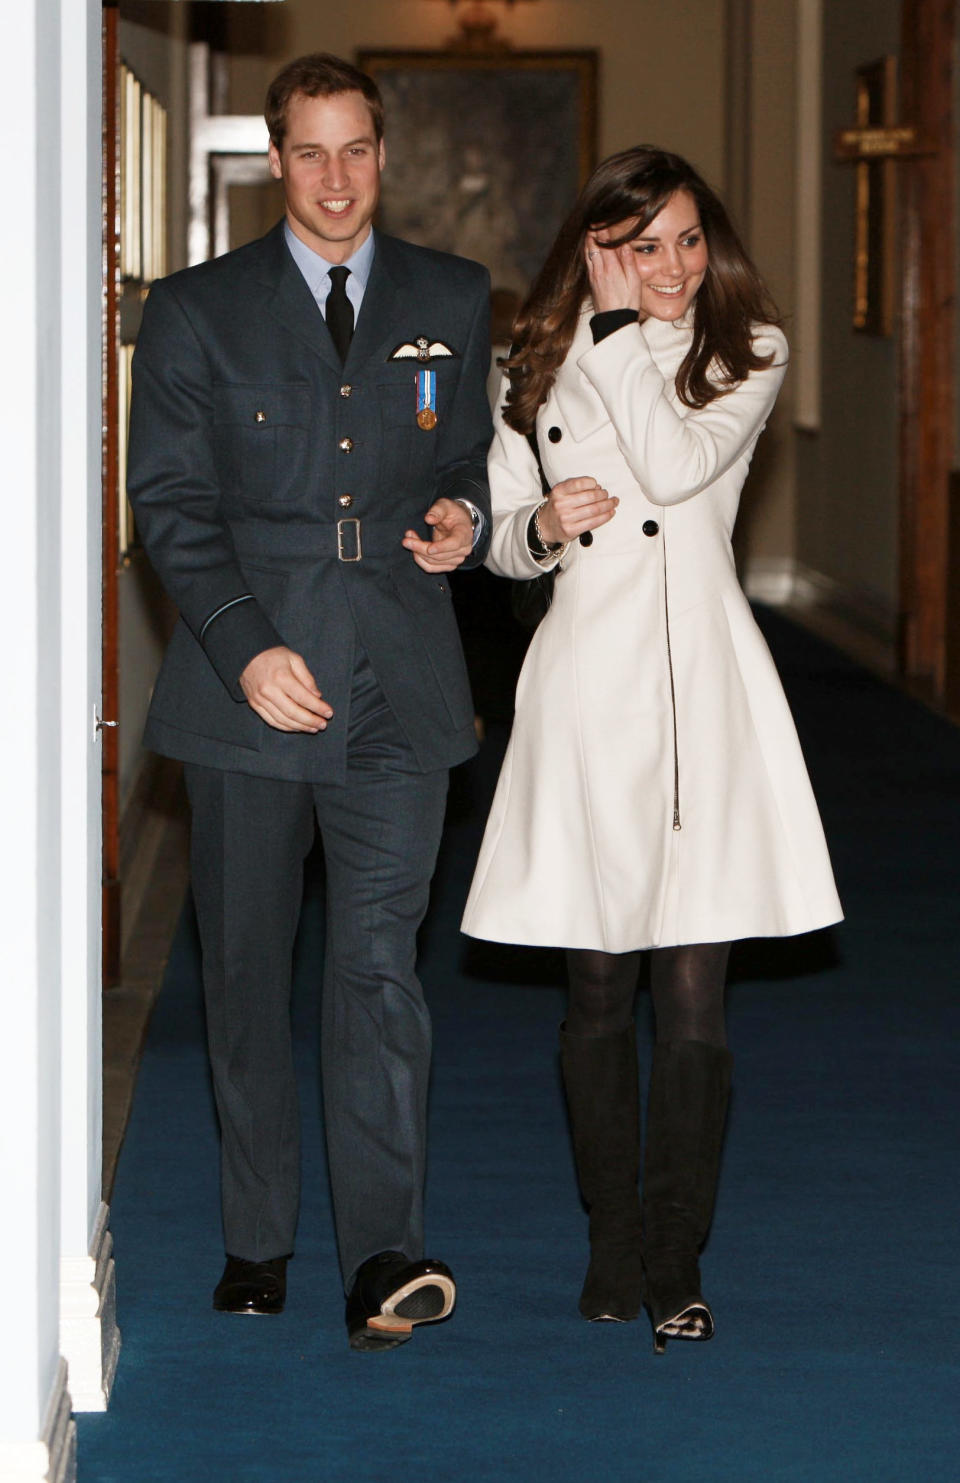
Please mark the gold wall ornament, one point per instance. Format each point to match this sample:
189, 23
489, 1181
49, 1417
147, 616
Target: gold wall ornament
873, 146
478, 24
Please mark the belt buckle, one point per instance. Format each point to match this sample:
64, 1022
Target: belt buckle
349, 520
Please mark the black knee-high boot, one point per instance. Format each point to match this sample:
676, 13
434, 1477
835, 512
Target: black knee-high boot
689, 1090
600, 1077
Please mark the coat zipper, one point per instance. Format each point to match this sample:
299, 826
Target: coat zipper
673, 694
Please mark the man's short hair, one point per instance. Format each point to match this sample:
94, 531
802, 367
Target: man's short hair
318, 75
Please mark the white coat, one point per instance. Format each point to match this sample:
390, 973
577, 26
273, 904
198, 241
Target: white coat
653, 791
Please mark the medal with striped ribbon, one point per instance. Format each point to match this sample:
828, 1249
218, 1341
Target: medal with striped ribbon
427, 400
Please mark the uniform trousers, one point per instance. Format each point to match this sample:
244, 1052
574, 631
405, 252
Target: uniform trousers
380, 832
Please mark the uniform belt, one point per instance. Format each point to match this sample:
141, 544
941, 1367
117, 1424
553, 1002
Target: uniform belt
348, 540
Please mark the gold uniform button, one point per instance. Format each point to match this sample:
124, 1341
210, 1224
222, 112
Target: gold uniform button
259, 416
346, 445
345, 501
346, 390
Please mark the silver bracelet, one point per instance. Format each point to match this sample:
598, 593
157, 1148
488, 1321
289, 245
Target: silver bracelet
557, 548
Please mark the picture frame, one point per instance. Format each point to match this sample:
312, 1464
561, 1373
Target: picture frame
485, 152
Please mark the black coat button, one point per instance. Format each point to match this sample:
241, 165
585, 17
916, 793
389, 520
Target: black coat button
650, 527
554, 434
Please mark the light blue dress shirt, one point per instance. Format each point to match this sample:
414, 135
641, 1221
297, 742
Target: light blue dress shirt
316, 270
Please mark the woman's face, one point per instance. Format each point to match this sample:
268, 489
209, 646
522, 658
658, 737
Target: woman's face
670, 258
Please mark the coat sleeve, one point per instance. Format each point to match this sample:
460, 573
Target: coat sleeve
172, 484
515, 493
674, 456
465, 429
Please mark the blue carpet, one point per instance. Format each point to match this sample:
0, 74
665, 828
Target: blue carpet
832, 1265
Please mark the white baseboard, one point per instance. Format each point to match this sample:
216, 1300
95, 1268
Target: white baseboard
52, 1458
60, 1433
89, 1336
857, 622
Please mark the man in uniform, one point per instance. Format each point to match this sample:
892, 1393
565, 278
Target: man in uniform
307, 464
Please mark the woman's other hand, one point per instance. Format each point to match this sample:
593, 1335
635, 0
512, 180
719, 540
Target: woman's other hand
615, 281
575, 505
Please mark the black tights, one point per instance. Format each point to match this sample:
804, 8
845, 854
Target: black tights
686, 985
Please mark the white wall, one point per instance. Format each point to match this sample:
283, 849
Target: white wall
767, 523
80, 839
49, 789
30, 741
848, 495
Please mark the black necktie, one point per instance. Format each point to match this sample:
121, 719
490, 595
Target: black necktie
340, 311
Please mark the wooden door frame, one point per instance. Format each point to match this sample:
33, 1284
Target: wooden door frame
928, 237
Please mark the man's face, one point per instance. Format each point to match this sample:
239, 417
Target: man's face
330, 167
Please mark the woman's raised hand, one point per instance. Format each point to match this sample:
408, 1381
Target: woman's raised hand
615, 281
575, 505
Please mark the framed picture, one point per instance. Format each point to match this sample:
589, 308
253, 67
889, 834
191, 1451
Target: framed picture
485, 153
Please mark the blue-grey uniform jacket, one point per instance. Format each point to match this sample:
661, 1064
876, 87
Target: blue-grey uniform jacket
260, 469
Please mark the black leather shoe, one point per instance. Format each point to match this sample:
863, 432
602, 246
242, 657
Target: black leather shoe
251, 1287
390, 1294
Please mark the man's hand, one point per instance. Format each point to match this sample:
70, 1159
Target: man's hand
452, 538
284, 693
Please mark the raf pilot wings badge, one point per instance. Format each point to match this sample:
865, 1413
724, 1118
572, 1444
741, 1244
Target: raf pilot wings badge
424, 350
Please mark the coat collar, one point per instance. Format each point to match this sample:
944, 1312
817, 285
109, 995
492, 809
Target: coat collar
578, 402
581, 410
293, 305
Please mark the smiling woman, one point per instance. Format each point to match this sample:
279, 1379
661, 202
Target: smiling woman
653, 200
653, 795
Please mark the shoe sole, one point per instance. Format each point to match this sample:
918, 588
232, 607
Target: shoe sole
674, 1328
427, 1299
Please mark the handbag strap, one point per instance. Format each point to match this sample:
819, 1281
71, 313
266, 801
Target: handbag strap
532, 440
544, 481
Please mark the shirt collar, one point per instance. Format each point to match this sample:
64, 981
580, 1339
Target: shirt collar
316, 268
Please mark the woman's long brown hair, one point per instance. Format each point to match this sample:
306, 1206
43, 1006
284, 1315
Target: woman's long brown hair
633, 187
